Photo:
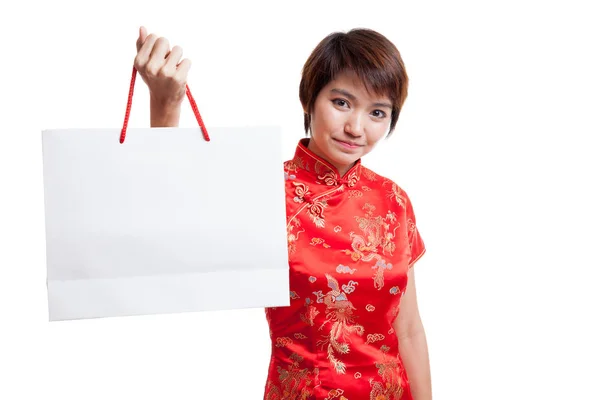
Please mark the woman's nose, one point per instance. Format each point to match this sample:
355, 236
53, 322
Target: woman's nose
353, 124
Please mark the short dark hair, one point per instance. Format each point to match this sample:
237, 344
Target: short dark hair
374, 59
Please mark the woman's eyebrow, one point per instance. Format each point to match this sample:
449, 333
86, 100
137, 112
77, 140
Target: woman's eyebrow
388, 105
344, 93
353, 97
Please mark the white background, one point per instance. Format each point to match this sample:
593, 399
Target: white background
496, 146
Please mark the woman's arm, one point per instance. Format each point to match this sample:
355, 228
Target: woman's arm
165, 75
413, 343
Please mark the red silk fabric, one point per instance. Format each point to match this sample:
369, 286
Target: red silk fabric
351, 242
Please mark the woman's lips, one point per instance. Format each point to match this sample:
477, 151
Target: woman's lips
347, 145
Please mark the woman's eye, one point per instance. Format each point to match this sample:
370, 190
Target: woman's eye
379, 114
340, 102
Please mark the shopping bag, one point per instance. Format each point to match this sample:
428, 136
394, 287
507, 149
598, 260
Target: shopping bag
164, 221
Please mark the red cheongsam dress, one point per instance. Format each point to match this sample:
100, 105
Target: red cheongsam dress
351, 242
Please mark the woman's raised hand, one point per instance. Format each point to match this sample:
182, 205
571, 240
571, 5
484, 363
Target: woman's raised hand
160, 67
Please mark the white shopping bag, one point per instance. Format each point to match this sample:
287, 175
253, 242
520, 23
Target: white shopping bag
165, 222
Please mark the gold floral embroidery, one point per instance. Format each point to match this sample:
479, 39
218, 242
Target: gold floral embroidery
339, 312
290, 166
294, 295
391, 386
370, 307
315, 211
357, 375
300, 192
329, 178
294, 383
352, 178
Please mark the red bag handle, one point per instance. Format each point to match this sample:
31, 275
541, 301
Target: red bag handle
189, 96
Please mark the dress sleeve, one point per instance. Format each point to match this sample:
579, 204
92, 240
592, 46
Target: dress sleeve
415, 242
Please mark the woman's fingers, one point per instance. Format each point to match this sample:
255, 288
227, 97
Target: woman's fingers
173, 58
182, 70
143, 54
157, 56
141, 38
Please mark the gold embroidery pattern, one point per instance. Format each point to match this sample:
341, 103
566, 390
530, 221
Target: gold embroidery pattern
390, 388
294, 382
334, 394
374, 337
283, 341
410, 225
296, 164
352, 178
376, 236
291, 236
370, 307
329, 178
299, 336
315, 211
317, 241
380, 267
308, 316
396, 194
354, 194
301, 191
370, 175
321, 168
339, 312
290, 166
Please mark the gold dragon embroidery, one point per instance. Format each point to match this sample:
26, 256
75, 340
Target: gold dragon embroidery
375, 242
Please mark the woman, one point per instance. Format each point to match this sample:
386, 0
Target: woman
352, 238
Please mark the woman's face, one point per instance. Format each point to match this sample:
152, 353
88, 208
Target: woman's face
347, 121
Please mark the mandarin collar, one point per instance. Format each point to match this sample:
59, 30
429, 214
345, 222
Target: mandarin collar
323, 172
